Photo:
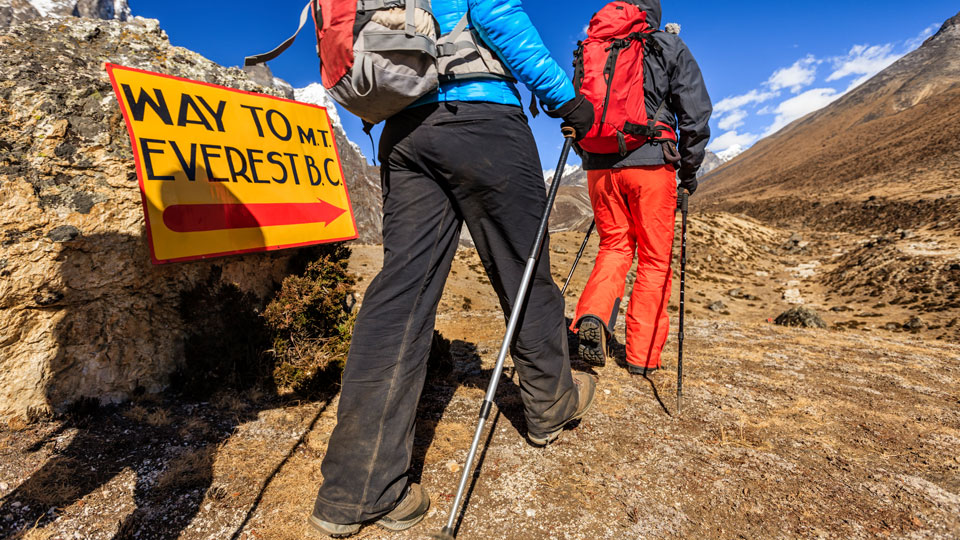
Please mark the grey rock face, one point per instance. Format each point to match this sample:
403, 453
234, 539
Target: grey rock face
83, 312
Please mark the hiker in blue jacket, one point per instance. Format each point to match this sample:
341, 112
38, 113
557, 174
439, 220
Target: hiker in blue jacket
462, 154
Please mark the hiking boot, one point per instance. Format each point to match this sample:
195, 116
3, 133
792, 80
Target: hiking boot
586, 388
409, 511
640, 370
412, 508
593, 341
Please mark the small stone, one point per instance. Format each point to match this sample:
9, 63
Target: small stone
3, 486
955, 267
915, 323
560, 250
717, 306
16, 504
531, 512
453, 466
801, 317
65, 233
735, 293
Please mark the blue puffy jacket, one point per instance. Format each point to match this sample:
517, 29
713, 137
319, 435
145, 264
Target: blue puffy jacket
505, 28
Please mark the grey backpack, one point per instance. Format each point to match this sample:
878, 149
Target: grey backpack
377, 57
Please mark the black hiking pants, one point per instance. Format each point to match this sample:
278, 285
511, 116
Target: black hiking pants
442, 165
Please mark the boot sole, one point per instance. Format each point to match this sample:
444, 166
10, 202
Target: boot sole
318, 526
593, 343
402, 525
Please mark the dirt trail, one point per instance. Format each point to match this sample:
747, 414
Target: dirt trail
785, 433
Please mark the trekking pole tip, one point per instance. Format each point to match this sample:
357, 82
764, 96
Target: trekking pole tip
445, 534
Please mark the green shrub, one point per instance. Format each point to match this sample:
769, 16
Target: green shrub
311, 323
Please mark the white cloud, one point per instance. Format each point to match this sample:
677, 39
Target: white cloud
801, 74
913, 43
731, 139
800, 106
736, 102
863, 60
732, 120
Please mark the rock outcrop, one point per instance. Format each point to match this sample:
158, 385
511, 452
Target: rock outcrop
83, 312
19, 11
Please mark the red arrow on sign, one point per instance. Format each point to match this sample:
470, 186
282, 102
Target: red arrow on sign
186, 218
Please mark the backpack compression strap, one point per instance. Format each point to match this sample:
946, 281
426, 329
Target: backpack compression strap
266, 57
450, 47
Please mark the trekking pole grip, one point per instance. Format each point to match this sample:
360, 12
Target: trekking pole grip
569, 132
684, 201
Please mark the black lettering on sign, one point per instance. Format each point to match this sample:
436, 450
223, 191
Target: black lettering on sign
190, 169
288, 131
186, 105
324, 135
273, 157
293, 165
311, 167
206, 152
307, 137
146, 152
256, 117
216, 114
253, 166
234, 172
326, 169
138, 105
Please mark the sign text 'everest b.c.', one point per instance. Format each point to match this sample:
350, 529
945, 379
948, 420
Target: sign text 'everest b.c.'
224, 171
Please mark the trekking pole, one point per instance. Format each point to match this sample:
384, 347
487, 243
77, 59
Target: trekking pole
684, 205
448, 532
576, 261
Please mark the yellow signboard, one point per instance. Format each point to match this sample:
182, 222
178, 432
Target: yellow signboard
224, 171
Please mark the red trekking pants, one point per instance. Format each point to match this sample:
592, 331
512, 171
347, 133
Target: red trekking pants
635, 211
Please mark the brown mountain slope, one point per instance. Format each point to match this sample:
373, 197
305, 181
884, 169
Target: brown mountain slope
886, 151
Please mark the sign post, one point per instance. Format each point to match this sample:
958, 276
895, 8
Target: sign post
224, 172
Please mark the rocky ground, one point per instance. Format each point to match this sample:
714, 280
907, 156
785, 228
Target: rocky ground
852, 431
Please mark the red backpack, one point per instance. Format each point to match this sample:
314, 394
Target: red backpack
609, 73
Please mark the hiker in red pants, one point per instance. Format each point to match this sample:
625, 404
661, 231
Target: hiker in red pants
652, 111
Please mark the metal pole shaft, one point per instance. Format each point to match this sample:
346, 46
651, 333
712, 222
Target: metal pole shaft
684, 204
576, 261
508, 337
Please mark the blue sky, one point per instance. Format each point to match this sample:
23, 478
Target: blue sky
765, 63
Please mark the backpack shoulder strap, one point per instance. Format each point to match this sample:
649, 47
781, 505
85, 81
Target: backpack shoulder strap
450, 47
267, 56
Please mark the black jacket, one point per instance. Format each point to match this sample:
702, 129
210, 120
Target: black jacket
674, 77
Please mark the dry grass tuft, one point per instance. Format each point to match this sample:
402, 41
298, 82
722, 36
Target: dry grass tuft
137, 413
159, 418
54, 483
191, 469
229, 401
38, 534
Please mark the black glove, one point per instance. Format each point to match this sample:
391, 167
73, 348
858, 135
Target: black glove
689, 182
576, 113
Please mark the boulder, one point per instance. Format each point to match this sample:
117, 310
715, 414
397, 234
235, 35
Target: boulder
83, 312
802, 317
